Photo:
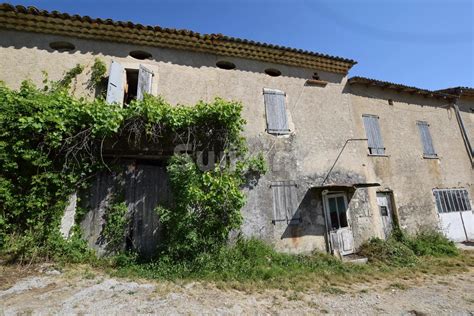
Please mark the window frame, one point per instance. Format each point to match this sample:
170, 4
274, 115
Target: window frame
119, 71
452, 200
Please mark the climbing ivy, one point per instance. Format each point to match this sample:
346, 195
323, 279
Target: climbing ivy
98, 72
51, 144
116, 222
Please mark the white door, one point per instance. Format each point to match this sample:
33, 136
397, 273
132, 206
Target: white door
385, 207
340, 234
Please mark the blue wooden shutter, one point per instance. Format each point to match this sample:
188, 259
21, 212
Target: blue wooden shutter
428, 149
275, 109
115, 88
285, 203
145, 78
374, 136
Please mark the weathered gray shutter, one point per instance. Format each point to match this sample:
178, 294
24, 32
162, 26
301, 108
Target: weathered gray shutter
428, 149
115, 88
285, 203
145, 78
275, 109
374, 136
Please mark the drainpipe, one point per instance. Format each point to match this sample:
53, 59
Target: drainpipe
470, 152
464, 134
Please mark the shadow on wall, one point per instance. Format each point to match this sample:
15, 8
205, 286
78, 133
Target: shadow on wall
44, 42
308, 219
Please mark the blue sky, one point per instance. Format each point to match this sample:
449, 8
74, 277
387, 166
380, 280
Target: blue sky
423, 43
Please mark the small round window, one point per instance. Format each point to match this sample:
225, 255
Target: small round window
139, 54
62, 46
222, 64
273, 72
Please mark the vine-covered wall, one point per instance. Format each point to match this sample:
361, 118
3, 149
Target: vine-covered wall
52, 145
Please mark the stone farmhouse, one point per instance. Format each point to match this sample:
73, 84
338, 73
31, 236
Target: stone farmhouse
349, 157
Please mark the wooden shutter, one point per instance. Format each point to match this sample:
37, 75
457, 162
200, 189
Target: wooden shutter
285, 203
115, 88
145, 78
275, 109
374, 136
428, 149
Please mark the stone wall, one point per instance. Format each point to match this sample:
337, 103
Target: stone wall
321, 120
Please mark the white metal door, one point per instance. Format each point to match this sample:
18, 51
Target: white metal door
458, 226
385, 207
340, 234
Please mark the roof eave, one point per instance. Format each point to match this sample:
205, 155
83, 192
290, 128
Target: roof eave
400, 88
30, 19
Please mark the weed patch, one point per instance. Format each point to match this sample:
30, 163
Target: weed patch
391, 252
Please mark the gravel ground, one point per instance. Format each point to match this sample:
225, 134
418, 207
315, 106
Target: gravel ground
52, 292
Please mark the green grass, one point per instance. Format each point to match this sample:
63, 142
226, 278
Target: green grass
253, 264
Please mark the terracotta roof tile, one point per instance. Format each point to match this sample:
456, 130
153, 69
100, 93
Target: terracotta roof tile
13, 17
399, 87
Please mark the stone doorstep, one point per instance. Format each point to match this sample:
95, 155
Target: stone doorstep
355, 259
469, 245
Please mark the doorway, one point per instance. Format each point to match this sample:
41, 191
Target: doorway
340, 234
384, 201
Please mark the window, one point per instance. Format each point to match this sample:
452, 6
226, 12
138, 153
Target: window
284, 202
139, 54
126, 85
131, 85
273, 72
62, 46
336, 205
452, 200
428, 149
374, 136
224, 64
275, 109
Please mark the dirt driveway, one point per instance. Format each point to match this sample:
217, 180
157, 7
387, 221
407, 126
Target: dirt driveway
86, 292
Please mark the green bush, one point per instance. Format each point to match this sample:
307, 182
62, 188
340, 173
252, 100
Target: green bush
390, 252
402, 249
431, 243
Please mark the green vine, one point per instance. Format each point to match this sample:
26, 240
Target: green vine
116, 222
51, 145
98, 71
71, 75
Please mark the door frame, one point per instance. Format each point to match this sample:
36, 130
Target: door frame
391, 210
327, 219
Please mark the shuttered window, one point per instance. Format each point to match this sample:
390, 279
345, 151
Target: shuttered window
145, 78
428, 149
115, 87
374, 136
275, 110
285, 203
452, 200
